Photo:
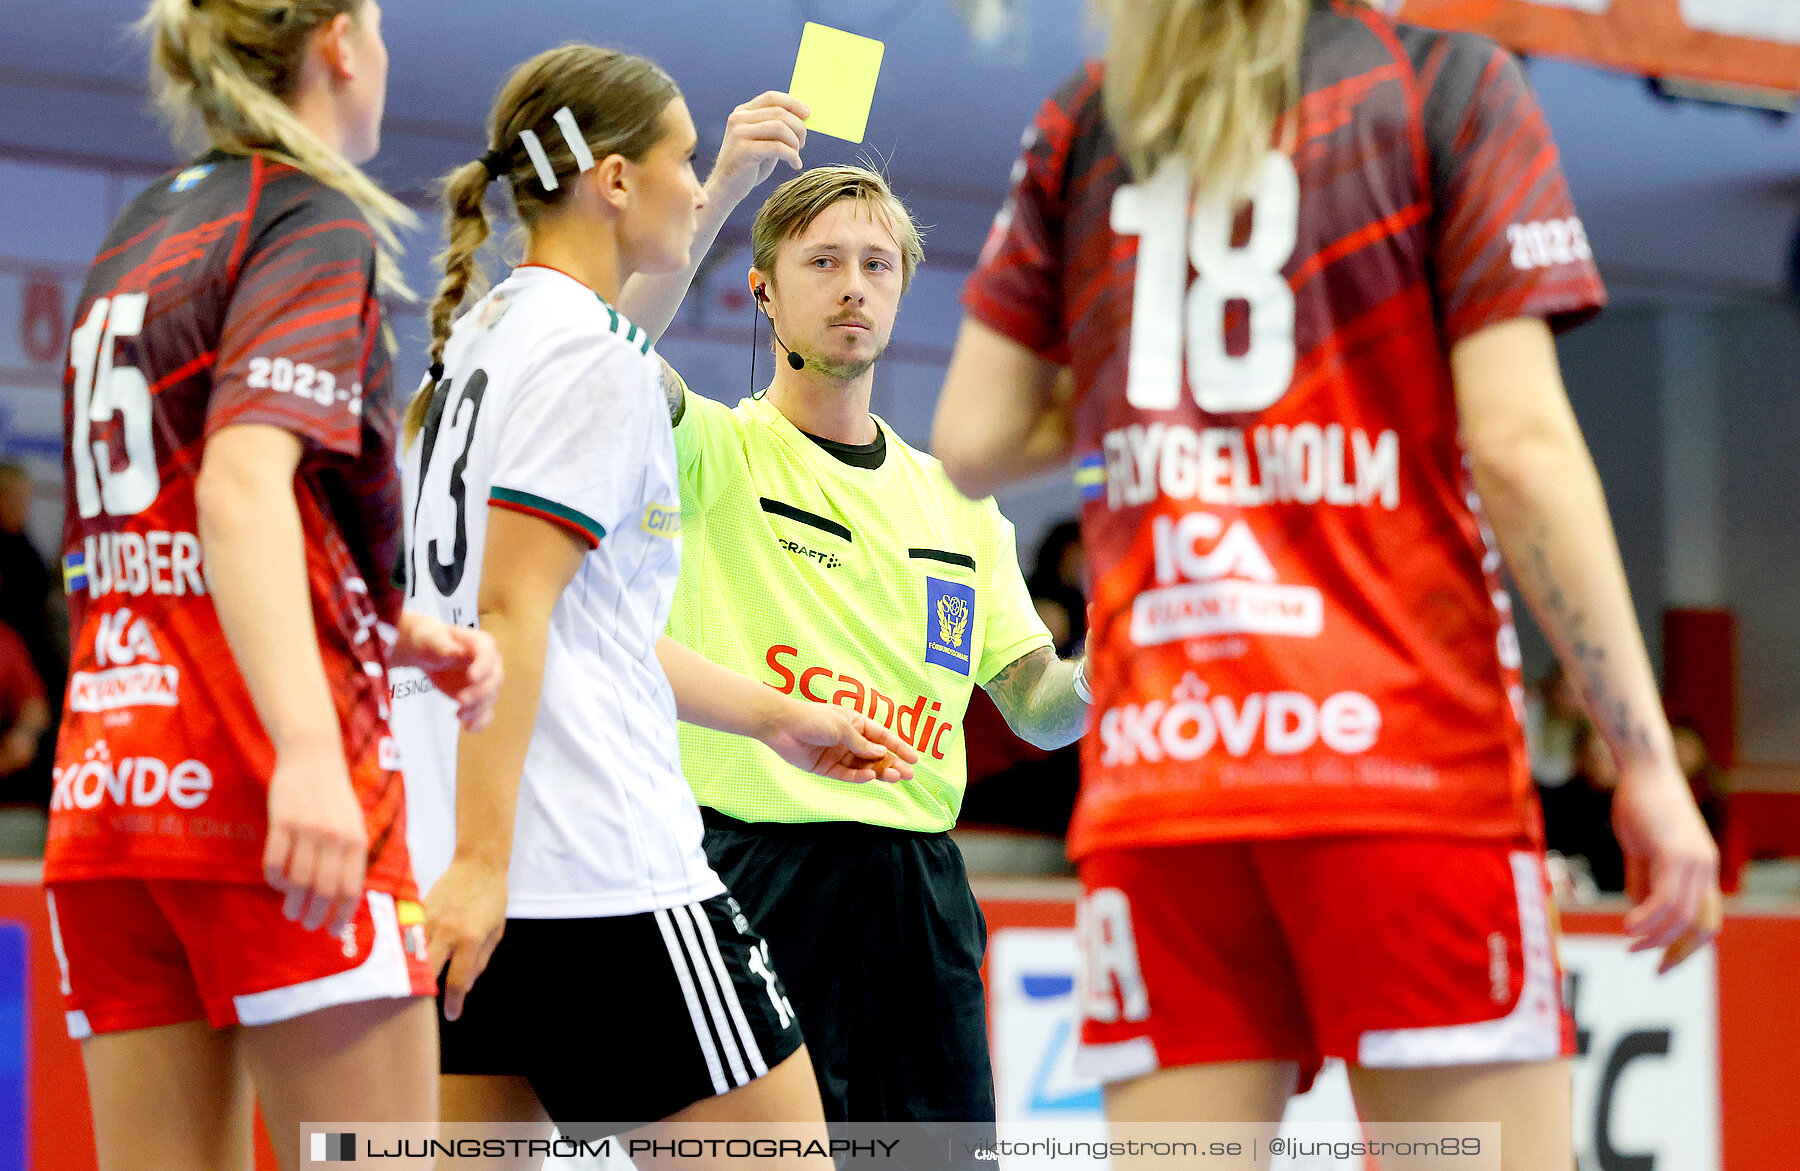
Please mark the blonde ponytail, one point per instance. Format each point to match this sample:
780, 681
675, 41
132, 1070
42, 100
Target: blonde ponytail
219, 70
1205, 81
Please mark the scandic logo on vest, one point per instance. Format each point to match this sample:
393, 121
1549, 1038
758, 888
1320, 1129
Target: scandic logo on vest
916, 723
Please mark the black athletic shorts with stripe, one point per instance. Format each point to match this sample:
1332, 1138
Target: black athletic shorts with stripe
625, 1019
881, 943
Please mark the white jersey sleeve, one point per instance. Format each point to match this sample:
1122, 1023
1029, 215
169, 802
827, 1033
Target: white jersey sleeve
572, 444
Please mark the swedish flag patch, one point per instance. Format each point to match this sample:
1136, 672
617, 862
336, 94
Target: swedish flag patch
75, 575
1090, 476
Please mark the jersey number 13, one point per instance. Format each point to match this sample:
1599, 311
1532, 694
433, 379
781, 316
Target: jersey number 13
449, 425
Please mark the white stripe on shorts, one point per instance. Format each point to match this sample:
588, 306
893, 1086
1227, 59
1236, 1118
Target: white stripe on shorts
728, 987
704, 977
678, 961
1532, 1031
56, 943
383, 975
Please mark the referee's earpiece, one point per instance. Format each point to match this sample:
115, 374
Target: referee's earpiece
794, 360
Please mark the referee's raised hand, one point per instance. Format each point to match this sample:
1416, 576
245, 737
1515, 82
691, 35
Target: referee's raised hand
838, 743
761, 134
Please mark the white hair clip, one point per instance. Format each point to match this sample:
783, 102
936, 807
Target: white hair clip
571, 132
539, 159
584, 158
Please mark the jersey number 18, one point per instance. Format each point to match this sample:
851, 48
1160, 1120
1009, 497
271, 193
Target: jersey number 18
1169, 239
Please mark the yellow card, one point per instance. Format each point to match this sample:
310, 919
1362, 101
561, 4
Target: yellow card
835, 76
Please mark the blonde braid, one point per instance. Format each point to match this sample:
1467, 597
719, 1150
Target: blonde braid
465, 231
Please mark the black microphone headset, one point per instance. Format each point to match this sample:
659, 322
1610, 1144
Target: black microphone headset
794, 360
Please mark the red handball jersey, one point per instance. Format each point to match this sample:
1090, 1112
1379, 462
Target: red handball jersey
1299, 623
239, 290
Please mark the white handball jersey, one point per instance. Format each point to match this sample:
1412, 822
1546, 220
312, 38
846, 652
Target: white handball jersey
552, 404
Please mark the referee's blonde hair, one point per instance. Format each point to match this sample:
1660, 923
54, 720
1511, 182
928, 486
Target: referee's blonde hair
617, 99
219, 70
798, 202
1205, 81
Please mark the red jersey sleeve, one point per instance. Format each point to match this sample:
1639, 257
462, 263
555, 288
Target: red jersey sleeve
1507, 242
303, 318
1017, 286
19, 682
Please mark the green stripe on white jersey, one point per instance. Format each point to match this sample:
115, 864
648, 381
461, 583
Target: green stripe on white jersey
882, 589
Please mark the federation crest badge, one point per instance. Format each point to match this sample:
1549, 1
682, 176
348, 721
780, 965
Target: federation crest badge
949, 618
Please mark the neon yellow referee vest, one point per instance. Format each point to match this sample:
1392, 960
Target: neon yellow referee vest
880, 589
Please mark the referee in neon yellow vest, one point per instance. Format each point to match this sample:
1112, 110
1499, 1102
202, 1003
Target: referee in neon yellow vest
824, 556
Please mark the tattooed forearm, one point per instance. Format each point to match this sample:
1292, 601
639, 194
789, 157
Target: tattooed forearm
676, 392
1036, 694
1566, 625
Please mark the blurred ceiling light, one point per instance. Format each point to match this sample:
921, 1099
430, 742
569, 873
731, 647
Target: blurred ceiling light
995, 25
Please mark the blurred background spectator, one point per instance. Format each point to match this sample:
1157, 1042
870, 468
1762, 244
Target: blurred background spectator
30, 609
1575, 777
24, 713
1704, 777
1057, 585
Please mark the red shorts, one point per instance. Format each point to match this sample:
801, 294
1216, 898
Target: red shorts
1388, 951
135, 954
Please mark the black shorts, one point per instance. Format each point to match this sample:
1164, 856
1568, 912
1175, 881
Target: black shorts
881, 943
625, 1019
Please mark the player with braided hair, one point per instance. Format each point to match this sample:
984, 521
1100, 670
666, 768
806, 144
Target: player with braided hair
597, 971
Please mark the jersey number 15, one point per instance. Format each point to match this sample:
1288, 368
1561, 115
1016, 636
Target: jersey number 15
105, 387
1169, 239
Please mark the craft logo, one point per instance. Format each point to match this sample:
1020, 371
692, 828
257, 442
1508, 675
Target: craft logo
334, 1148
824, 557
949, 608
